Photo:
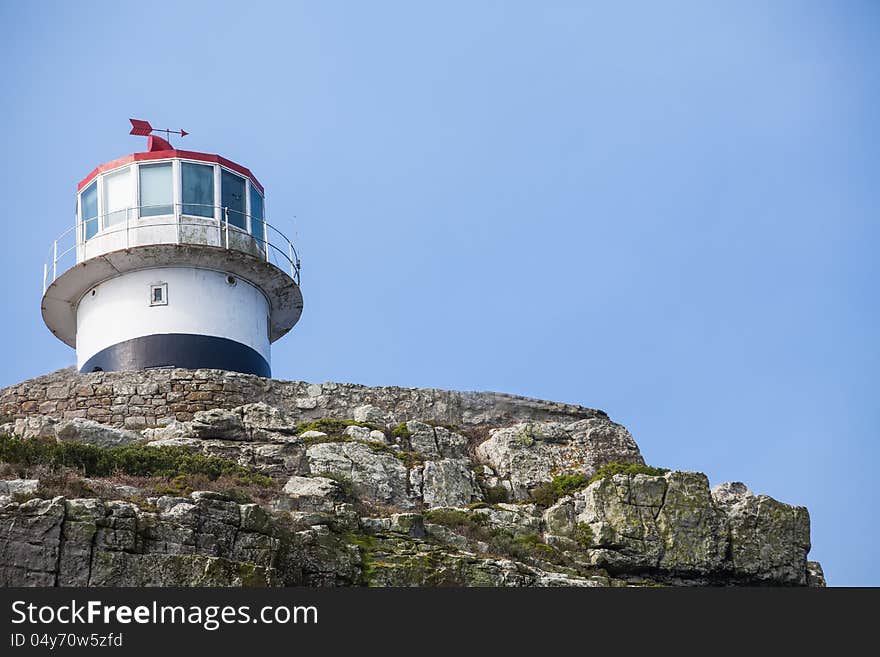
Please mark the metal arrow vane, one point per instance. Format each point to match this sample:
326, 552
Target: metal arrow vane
143, 129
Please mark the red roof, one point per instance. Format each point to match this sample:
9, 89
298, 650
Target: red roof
165, 154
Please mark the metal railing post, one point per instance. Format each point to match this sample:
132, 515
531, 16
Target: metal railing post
54, 260
177, 211
45, 275
226, 212
266, 239
290, 258
127, 222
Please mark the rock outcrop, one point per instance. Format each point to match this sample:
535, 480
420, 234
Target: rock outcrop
676, 525
203, 540
525, 455
355, 485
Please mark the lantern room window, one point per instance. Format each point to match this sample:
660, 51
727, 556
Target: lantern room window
258, 228
88, 209
117, 196
232, 197
197, 189
156, 190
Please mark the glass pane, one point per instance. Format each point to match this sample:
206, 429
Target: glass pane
156, 191
88, 204
232, 197
117, 195
197, 189
257, 228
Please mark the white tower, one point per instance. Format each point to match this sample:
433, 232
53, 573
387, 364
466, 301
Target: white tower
171, 263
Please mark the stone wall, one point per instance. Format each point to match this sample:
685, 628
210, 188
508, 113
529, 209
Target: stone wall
150, 398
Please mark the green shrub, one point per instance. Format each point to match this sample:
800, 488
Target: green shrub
500, 541
544, 494
531, 546
241, 489
529, 540
410, 459
138, 460
54, 483
345, 483
476, 527
400, 431
583, 534
568, 484
547, 493
525, 437
611, 469
496, 494
456, 519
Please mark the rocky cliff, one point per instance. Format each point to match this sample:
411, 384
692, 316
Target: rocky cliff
200, 478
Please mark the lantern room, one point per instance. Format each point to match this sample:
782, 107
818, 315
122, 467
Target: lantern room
171, 262
193, 184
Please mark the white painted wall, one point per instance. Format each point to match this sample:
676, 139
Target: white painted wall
200, 302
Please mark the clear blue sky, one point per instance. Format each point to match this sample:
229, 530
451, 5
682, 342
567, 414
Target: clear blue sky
664, 210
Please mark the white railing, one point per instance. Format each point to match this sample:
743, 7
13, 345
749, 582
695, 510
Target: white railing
127, 228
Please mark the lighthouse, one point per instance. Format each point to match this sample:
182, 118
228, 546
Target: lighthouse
171, 262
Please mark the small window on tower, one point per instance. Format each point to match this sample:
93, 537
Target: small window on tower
159, 294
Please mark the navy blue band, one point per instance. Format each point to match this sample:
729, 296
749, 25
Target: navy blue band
179, 350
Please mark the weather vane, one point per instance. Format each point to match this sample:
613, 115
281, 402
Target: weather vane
143, 129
